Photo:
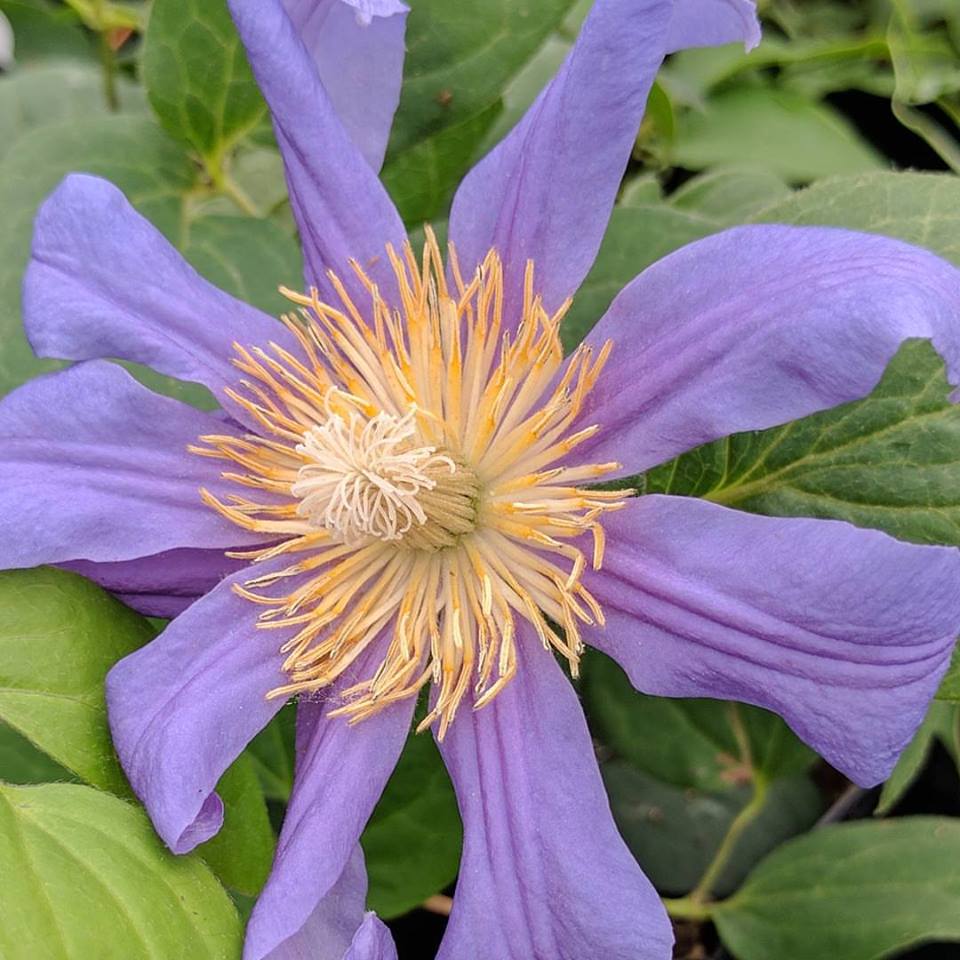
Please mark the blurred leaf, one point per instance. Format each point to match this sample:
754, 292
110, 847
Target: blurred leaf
91, 879
43, 31
22, 762
939, 724
925, 63
242, 852
674, 832
890, 461
461, 56
130, 151
636, 237
197, 76
57, 91
686, 742
258, 173
921, 208
272, 753
859, 891
60, 634
412, 842
422, 178
729, 196
779, 131
641, 191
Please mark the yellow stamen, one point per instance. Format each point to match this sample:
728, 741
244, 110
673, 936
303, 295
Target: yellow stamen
419, 455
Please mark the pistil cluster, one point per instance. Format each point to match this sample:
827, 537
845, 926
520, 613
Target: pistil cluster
415, 464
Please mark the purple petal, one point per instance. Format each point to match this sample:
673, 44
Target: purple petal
357, 48
103, 282
163, 585
183, 707
341, 207
708, 23
842, 631
95, 467
372, 941
341, 772
757, 326
545, 193
544, 873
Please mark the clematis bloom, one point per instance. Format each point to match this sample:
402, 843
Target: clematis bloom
400, 491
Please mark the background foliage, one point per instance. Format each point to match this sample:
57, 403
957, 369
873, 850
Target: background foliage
762, 851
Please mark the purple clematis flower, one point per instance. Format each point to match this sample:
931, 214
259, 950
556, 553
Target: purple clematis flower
398, 489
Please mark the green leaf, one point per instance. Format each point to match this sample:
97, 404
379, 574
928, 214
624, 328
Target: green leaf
890, 461
696, 741
242, 852
87, 877
461, 56
779, 131
939, 724
421, 179
859, 891
636, 237
56, 91
674, 832
729, 196
22, 762
921, 208
950, 685
60, 634
197, 76
130, 151
412, 842
246, 257
272, 754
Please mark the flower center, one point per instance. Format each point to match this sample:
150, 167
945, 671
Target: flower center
368, 478
417, 465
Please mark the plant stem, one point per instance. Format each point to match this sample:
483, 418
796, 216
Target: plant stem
701, 893
683, 908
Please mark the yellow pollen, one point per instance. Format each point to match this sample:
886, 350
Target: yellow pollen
416, 465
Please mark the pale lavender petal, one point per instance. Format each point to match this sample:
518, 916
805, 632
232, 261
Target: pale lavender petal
341, 772
357, 47
544, 873
545, 193
103, 282
757, 326
183, 707
95, 467
372, 941
162, 585
341, 207
708, 23
844, 632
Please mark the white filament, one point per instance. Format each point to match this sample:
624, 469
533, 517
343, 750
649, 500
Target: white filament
362, 477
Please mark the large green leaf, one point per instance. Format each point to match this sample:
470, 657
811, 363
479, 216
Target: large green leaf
60, 634
460, 56
197, 75
921, 208
674, 832
22, 762
859, 891
636, 237
44, 31
779, 131
422, 178
56, 91
687, 743
412, 842
890, 461
85, 876
730, 196
131, 151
